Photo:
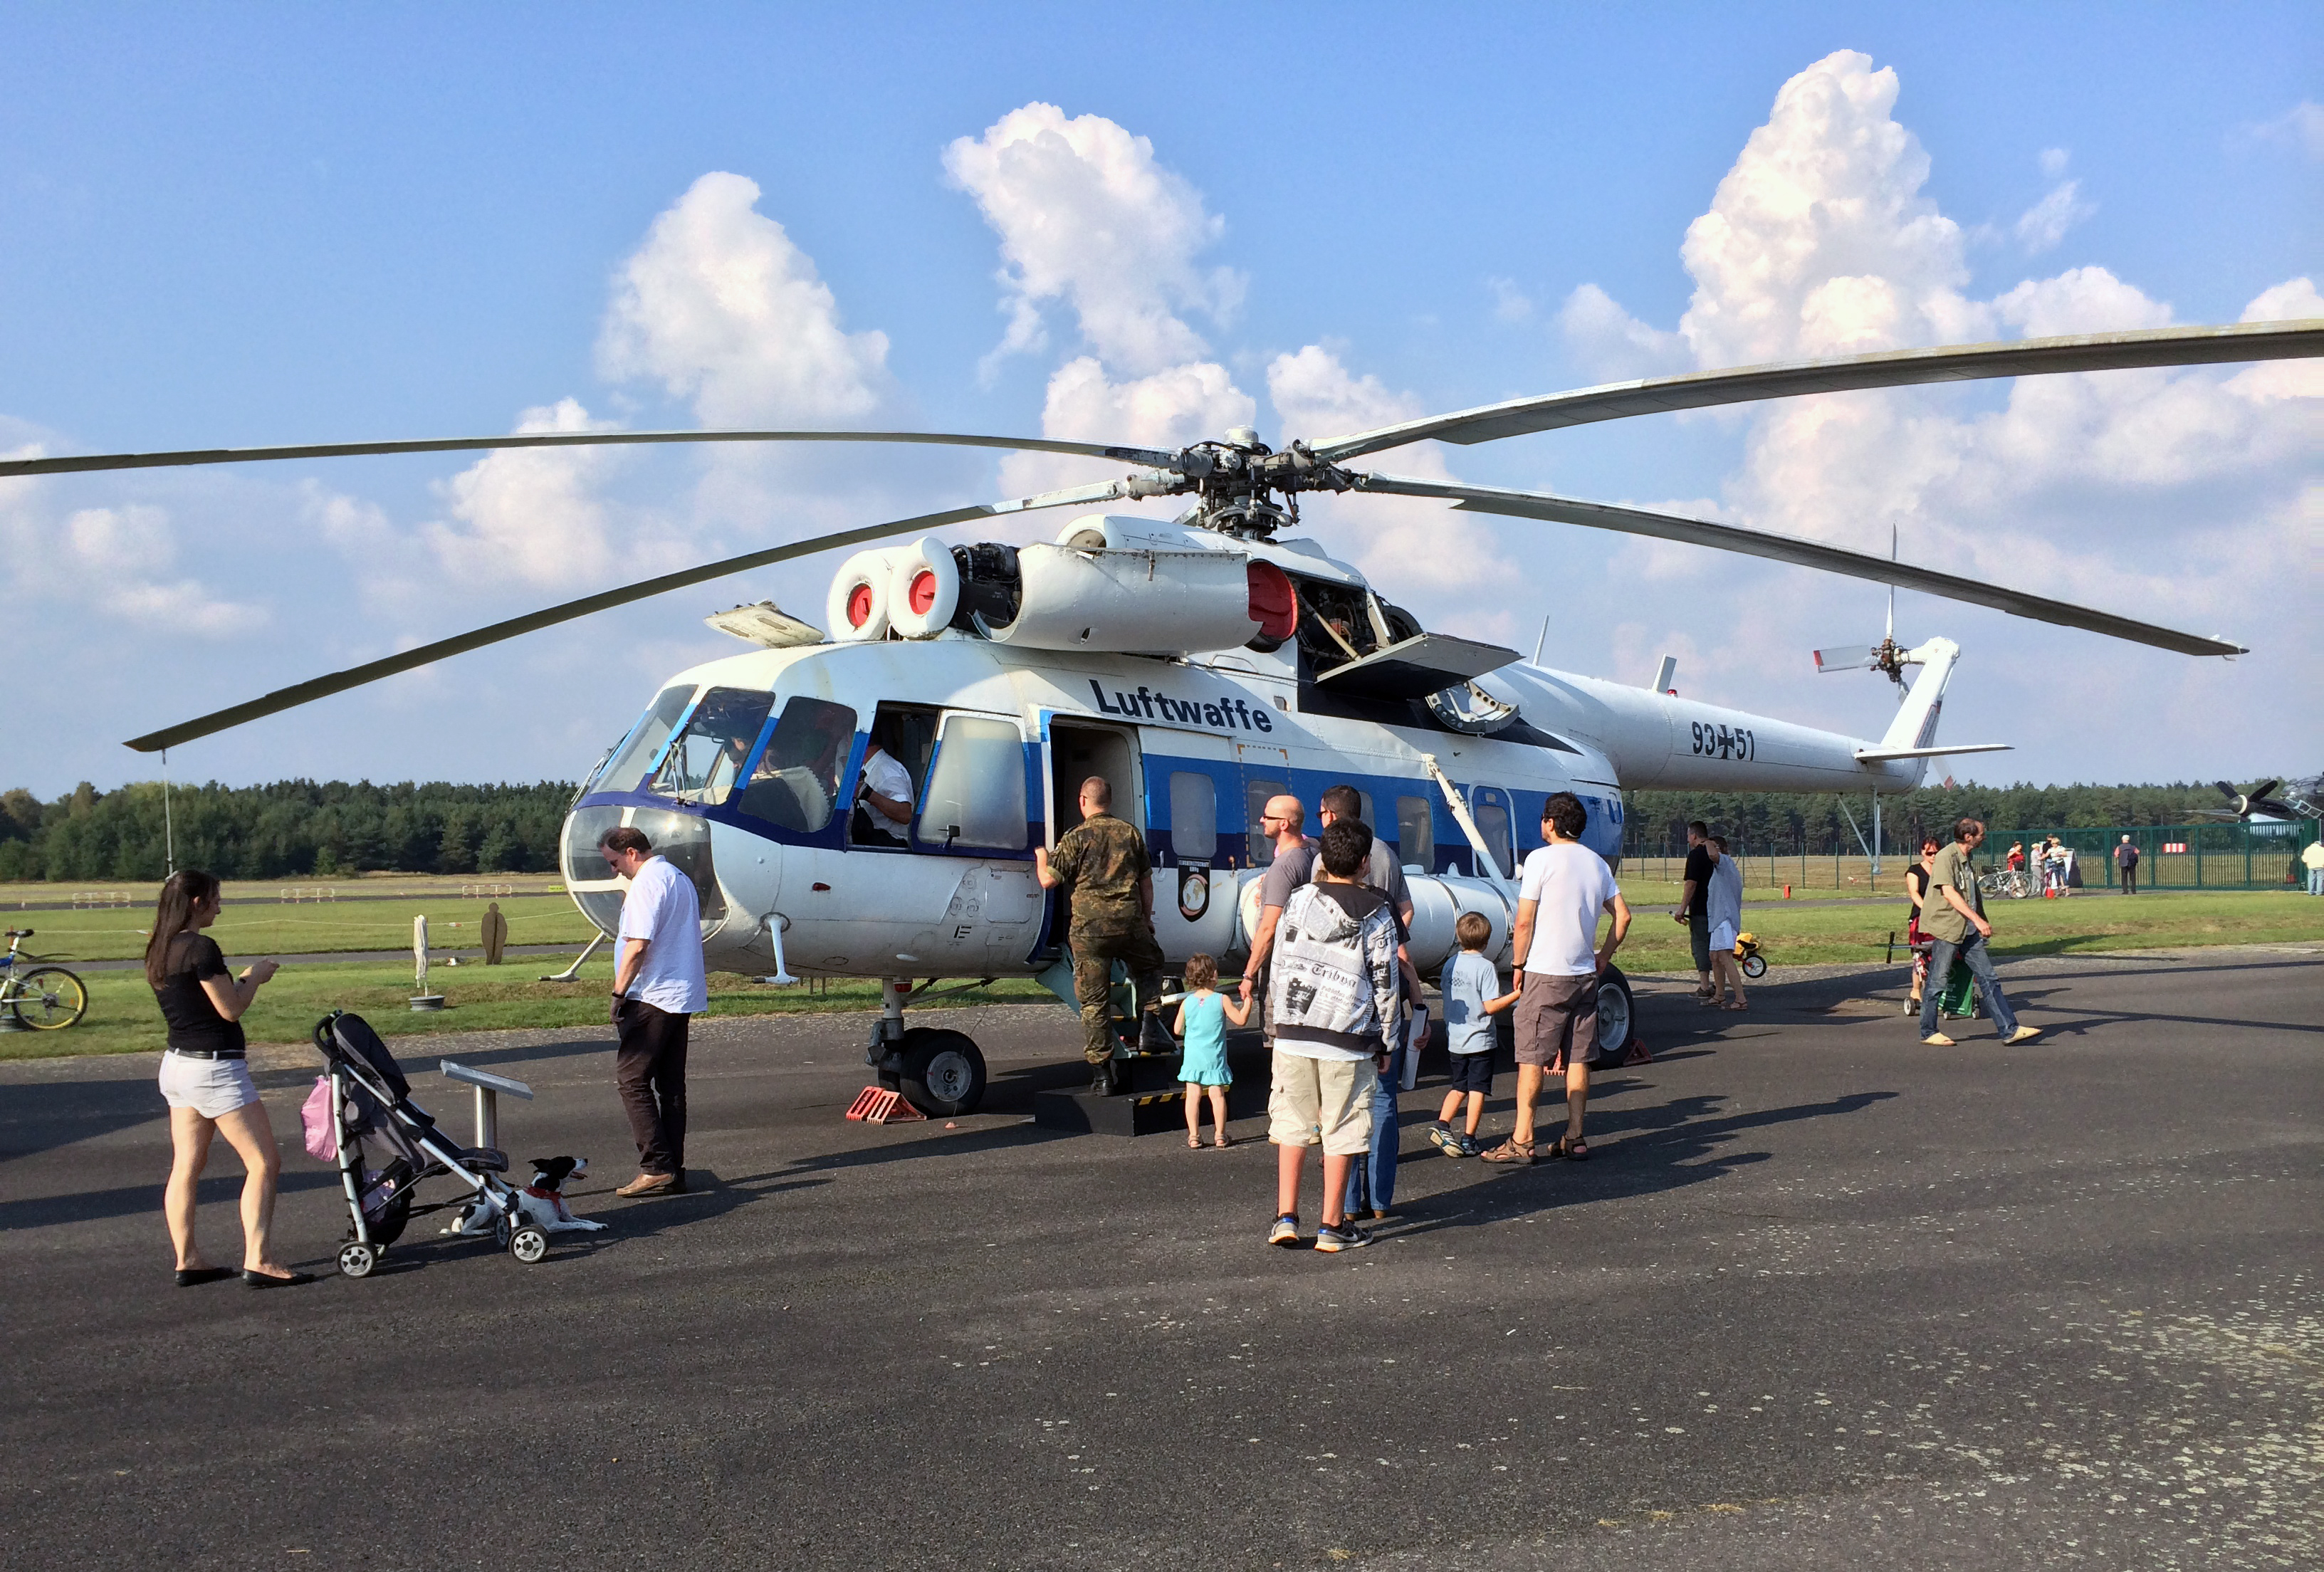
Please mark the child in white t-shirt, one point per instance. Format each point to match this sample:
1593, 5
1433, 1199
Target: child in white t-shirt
1472, 997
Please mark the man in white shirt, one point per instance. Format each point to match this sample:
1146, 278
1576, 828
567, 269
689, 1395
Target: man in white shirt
884, 804
1566, 886
657, 986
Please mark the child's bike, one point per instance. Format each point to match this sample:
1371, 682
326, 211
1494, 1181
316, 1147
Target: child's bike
1748, 957
44, 997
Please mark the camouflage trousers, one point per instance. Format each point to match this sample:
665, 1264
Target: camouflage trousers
1096, 951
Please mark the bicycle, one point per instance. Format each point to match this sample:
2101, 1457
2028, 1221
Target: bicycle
44, 997
2005, 882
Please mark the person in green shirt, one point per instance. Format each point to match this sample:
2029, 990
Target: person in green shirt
1953, 914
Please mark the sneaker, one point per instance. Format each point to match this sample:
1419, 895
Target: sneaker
1441, 1137
2023, 1034
1468, 1147
1285, 1231
1342, 1236
1938, 1040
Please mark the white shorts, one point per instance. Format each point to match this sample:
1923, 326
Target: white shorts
1722, 938
212, 1088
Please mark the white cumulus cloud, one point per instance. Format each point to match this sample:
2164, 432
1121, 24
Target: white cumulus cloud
721, 308
1088, 216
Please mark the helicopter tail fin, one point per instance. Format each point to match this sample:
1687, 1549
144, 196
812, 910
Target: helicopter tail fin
1913, 734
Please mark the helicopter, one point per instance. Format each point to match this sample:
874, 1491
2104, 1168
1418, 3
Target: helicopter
1200, 665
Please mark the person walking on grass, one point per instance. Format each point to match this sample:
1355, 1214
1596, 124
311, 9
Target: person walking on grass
1953, 916
1725, 903
1693, 909
206, 1080
659, 986
1566, 886
1472, 990
1201, 1026
1334, 986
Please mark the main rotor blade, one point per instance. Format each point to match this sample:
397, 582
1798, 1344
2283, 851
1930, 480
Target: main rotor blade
1847, 658
75, 463
2092, 352
372, 671
1791, 549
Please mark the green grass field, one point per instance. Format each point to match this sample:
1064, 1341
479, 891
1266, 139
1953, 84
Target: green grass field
122, 1018
254, 925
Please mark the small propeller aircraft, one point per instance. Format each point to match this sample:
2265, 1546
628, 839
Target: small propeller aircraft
1200, 665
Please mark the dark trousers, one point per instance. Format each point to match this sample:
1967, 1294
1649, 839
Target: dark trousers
2130, 879
1095, 949
650, 1070
1698, 934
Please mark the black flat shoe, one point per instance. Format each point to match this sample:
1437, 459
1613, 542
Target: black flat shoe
261, 1280
198, 1275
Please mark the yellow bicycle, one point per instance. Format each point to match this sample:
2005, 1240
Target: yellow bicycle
44, 997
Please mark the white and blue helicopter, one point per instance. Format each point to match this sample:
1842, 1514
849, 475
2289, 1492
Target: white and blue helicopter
1200, 665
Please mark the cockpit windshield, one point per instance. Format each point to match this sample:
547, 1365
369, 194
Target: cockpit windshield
704, 764
796, 784
645, 740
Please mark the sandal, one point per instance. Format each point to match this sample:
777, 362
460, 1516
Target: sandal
1738, 1004
1574, 1151
1222, 1142
1194, 1142
1511, 1152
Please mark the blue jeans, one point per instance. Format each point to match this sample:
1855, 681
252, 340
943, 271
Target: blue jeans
2316, 881
1371, 1179
1972, 950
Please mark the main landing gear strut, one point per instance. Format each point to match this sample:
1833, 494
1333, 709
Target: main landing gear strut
940, 1072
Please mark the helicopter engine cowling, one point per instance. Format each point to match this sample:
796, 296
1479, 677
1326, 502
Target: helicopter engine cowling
858, 606
923, 588
1136, 601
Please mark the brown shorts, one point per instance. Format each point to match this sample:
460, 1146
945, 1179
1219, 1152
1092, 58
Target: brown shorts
1557, 1016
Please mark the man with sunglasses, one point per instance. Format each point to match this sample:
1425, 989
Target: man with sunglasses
1285, 822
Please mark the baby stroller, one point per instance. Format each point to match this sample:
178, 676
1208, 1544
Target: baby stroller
370, 1100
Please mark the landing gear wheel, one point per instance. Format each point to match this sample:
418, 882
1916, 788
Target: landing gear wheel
529, 1244
943, 1073
1615, 1015
356, 1259
1756, 967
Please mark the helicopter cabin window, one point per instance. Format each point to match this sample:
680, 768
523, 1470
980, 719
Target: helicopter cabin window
887, 792
645, 740
1194, 816
1415, 833
1255, 795
704, 763
1493, 825
976, 786
796, 783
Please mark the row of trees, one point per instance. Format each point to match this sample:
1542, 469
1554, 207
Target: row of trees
289, 829
1788, 821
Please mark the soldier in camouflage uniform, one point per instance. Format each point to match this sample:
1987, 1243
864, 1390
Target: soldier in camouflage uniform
1103, 865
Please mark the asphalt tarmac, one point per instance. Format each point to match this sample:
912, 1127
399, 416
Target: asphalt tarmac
1824, 1297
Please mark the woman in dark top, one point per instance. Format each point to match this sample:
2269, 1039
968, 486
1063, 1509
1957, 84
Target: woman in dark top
206, 1080
1917, 889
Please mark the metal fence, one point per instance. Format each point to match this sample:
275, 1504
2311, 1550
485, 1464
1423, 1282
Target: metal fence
2213, 855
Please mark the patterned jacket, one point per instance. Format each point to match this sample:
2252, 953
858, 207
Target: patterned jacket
1335, 982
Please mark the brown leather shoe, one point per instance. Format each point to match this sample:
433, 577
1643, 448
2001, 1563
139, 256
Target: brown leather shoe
651, 1184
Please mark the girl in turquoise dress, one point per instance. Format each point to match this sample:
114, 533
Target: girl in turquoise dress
1201, 1024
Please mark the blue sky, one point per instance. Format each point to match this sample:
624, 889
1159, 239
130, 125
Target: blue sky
238, 225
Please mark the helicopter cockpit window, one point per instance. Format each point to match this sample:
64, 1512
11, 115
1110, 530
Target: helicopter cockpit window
1415, 833
975, 795
796, 784
704, 764
1194, 816
645, 740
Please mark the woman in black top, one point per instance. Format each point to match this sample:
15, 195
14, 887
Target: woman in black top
206, 1080
1917, 889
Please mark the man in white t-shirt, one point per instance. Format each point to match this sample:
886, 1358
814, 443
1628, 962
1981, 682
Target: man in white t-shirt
883, 805
1566, 886
657, 986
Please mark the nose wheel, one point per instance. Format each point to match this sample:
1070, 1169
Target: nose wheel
940, 1072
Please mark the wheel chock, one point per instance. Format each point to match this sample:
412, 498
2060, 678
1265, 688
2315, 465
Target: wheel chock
876, 1105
